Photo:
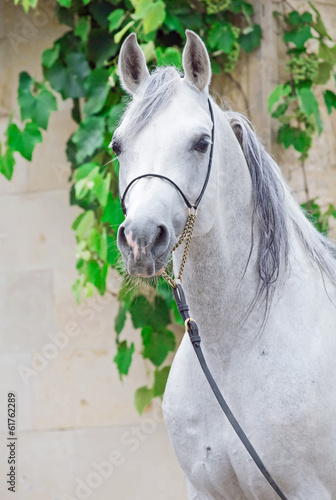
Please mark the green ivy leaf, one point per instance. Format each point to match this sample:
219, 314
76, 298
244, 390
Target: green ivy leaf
309, 106
238, 6
114, 116
82, 223
177, 315
83, 28
123, 358
157, 344
328, 54
292, 136
277, 93
250, 38
102, 188
96, 275
160, 380
296, 19
77, 289
97, 89
115, 19
173, 23
144, 313
7, 163
64, 3
87, 170
69, 79
100, 47
113, 214
120, 319
101, 11
298, 36
35, 107
330, 100
50, 56
222, 37
118, 36
89, 137
170, 56
154, 16
141, 311
323, 73
142, 397
280, 110
24, 141
113, 255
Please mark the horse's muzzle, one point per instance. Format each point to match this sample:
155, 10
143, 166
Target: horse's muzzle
144, 247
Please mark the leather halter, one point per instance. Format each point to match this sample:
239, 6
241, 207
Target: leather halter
190, 324
187, 202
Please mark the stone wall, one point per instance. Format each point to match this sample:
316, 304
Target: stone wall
79, 434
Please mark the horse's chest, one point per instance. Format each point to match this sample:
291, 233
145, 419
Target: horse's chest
203, 440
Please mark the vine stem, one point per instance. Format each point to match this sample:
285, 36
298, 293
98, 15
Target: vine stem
306, 188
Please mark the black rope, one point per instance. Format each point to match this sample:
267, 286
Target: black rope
196, 342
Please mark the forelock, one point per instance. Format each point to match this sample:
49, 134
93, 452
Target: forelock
152, 96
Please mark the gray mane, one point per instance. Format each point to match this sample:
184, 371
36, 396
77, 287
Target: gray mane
276, 213
153, 95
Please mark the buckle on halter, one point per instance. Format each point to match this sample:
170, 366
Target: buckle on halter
186, 323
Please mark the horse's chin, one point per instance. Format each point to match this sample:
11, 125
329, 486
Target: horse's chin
161, 271
143, 270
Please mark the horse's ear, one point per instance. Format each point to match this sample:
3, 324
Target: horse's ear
196, 62
132, 65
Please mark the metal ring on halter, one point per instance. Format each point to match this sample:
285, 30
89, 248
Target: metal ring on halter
176, 283
192, 208
186, 323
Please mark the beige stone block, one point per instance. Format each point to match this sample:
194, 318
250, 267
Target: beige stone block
38, 231
81, 388
45, 466
11, 380
128, 463
50, 168
27, 310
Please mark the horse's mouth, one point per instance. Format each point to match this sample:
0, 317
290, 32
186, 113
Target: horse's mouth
144, 267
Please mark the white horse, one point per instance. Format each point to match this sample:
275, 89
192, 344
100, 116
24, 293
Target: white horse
259, 279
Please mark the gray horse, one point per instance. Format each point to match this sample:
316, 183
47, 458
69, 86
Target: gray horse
260, 282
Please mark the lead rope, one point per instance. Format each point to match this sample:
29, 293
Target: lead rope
192, 329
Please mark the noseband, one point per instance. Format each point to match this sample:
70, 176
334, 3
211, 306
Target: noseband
190, 324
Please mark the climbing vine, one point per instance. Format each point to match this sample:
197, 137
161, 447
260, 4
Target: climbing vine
295, 104
82, 66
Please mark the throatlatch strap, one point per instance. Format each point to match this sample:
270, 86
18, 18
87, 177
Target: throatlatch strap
196, 342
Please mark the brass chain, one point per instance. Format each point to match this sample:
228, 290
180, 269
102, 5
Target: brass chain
186, 235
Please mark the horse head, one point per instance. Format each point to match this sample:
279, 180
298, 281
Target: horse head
165, 132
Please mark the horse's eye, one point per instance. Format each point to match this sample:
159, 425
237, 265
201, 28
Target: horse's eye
116, 148
202, 146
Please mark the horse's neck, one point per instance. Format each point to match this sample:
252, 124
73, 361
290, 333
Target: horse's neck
218, 289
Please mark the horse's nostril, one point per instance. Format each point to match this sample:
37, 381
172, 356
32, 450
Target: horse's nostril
158, 235
122, 241
161, 241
